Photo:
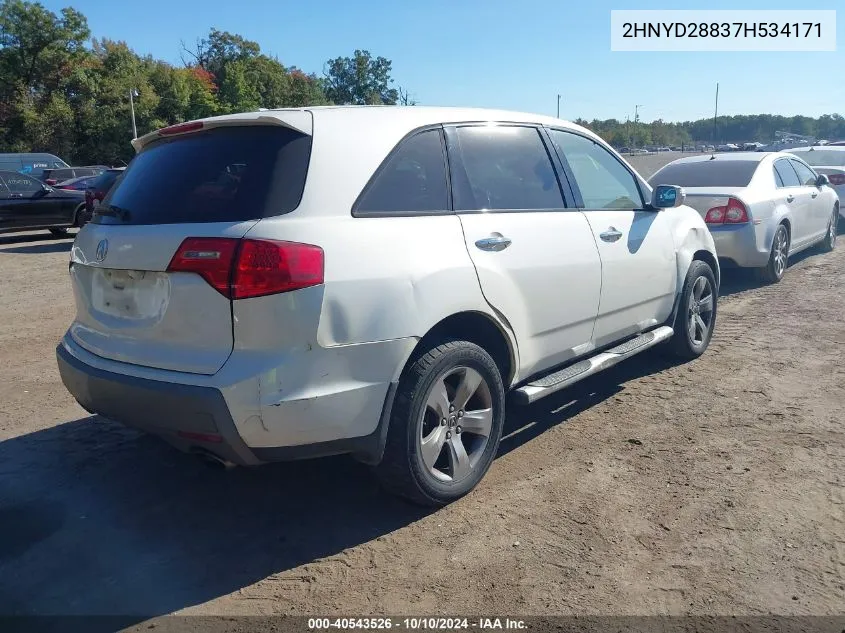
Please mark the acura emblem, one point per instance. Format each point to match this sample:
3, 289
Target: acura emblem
102, 250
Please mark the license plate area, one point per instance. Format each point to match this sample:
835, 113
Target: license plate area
132, 295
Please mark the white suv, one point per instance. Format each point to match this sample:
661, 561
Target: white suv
372, 281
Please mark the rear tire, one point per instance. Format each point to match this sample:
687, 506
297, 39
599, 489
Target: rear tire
445, 425
773, 272
829, 242
696, 317
58, 232
82, 217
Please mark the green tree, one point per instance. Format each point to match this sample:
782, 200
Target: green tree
360, 80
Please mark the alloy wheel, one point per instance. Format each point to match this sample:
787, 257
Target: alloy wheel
780, 252
700, 311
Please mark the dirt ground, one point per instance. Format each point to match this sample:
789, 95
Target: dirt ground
714, 487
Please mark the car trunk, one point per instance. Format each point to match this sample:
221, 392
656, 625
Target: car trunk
214, 182
702, 199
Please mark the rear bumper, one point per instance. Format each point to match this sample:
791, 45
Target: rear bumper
739, 245
165, 409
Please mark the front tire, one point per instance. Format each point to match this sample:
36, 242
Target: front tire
445, 425
696, 316
82, 217
773, 271
829, 242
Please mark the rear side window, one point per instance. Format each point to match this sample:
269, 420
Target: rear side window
786, 173
604, 182
413, 180
503, 167
19, 183
805, 174
221, 175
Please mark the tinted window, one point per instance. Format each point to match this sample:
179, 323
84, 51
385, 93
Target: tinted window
60, 174
778, 179
805, 174
412, 180
786, 173
604, 182
706, 173
104, 181
19, 183
504, 167
821, 157
221, 175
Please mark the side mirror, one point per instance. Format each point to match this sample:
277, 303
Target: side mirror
822, 180
667, 197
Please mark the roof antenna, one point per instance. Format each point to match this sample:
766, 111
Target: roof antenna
715, 116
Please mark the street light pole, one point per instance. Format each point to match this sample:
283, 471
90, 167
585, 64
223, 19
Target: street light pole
558, 106
133, 93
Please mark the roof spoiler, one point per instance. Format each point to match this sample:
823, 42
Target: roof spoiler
297, 120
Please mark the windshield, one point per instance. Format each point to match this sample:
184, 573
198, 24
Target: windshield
821, 157
708, 173
224, 174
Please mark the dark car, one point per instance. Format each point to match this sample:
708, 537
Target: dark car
28, 204
53, 176
32, 164
100, 186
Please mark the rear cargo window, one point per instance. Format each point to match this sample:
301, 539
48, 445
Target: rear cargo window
706, 173
222, 175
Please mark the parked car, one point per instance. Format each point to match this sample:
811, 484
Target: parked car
760, 208
100, 186
27, 204
293, 283
829, 161
53, 176
32, 164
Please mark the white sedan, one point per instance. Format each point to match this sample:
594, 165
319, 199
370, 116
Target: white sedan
828, 160
760, 207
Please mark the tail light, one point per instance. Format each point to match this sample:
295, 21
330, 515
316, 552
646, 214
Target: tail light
732, 213
50, 181
244, 268
836, 179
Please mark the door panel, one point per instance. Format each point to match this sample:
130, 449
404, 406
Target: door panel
817, 214
636, 247
639, 276
536, 260
546, 282
797, 200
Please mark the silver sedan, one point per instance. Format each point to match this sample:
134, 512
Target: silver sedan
760, 207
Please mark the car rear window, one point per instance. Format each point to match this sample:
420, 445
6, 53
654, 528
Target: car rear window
707, 173
821, 157
221, 175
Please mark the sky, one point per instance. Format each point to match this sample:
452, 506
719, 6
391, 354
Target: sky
516, 55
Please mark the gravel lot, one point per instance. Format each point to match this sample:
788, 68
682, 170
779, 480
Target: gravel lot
714, 487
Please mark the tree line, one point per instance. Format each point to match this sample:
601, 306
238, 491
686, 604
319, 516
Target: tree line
725, 129
68, 94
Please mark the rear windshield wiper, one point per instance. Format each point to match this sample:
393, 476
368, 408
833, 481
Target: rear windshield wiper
109, 209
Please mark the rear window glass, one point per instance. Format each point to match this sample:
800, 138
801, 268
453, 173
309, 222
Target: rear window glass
222, 175
821, 157
706, 173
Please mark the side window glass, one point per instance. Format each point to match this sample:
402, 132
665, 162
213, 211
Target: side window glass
778, 179
504, 167
4, 190
805, 174
21, 184
603, 181
786, 173
413, 180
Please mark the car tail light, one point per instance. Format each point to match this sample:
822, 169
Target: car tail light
50, 181
732, 213
245, 268
836, 179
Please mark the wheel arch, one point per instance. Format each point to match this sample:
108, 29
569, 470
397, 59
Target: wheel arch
80, 208
475, 327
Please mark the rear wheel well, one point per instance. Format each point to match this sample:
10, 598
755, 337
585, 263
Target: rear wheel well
79, 209
788, 226
708, 258
477, 328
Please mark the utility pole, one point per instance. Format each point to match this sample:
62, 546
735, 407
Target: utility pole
558, 106
133, 93
636, 119
715, 115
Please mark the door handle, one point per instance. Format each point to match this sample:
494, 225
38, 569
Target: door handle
790, 198
496, 242
814, 194
16, 195
611, 234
